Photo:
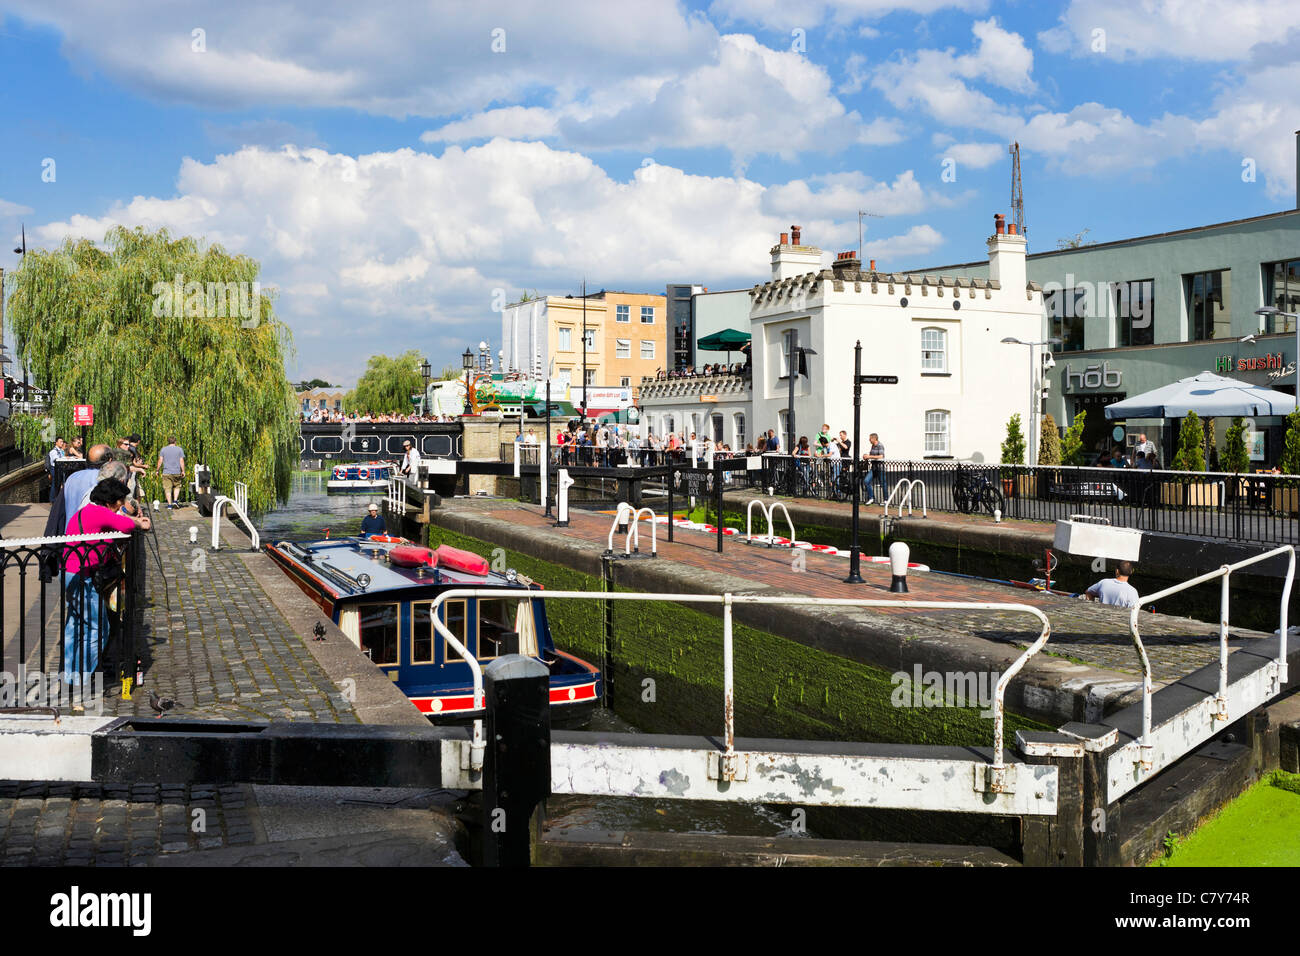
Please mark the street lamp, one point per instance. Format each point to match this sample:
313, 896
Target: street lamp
467, 360
1034, 395
797, 363
1273, 310
484, 357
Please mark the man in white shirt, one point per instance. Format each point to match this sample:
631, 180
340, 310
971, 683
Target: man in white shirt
1146, 447
57, 453
411, 461
1116, 590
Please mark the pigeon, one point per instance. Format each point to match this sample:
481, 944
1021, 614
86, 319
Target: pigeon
319, 631
161, 705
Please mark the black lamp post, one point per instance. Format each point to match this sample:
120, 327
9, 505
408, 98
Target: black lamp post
467, 361
855, 560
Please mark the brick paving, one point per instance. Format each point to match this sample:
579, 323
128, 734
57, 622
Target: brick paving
1084, 631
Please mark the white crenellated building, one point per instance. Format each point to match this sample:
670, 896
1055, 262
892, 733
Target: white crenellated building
941, 335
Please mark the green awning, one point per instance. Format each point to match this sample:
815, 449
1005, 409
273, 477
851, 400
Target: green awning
728, 340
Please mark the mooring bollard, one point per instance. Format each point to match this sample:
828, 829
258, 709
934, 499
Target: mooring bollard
194, 534
563, 483
899, 553
517, 762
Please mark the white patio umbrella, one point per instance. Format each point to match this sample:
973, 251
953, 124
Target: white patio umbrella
1207, 394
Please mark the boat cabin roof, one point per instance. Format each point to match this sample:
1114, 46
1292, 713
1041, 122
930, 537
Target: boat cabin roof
353, 567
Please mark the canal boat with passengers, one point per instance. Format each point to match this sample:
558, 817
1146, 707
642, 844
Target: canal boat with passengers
360, 477
380, 591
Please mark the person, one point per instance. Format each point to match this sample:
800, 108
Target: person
81, 633
773, 444
410, 460
372, 523
1117, 459
1116, 590
844, 444
1146, 447
171, 462
1143, 461
75, 449
876, 455
57, 453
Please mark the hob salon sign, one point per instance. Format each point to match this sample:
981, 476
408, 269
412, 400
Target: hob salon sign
1098, 375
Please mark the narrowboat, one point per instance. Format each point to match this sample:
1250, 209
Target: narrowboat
360, 477
380, 591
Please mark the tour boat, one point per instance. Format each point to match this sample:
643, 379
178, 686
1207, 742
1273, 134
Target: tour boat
380, 590
364, 476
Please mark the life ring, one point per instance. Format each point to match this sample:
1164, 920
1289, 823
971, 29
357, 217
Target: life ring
363, 474
386, 539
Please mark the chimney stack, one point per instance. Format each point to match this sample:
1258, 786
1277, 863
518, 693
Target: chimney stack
785, 238
873, 265
789, 258
999, 225
1007, 255
846, 262
794, 235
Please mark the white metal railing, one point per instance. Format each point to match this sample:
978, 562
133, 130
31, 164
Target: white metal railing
993, 780
396, 496
239, 504
769, 514
907, 485
1095, 519
11, 543
1220, 709
632, 543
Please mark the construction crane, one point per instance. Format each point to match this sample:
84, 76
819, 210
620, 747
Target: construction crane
1017, 193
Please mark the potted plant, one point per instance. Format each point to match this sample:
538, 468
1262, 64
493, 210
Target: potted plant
1013, 453
1286, 493
1236, 456
1190, 457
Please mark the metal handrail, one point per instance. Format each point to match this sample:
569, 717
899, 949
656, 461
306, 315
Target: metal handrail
910, 484
1224, 572
728, 600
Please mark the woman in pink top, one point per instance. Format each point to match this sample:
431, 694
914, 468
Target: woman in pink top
81, 633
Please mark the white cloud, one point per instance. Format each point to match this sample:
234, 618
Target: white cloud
856, 74
1204, 30
841, 195
408, 248
11, 209
787, 14
892, 253
975, 155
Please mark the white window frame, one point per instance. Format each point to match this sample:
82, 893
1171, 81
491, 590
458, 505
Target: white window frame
591, 340
647, 310
623, 313
945, 433
787, 340
738, 430
625, 381
648, 344
927, 354
564, 340
623, 348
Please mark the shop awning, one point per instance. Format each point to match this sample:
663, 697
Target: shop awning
1207, 394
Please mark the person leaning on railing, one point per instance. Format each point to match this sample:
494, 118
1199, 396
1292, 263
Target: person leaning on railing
86, 570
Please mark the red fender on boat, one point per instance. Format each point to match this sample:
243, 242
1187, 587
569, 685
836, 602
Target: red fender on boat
459, 560
413, 556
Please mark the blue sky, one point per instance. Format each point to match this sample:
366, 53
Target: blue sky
392, 168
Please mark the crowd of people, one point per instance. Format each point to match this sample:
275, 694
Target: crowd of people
318, 415
736, 368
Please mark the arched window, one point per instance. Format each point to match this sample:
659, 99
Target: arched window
934, 350
936, 432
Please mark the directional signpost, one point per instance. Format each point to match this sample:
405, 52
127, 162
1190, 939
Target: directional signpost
855, 558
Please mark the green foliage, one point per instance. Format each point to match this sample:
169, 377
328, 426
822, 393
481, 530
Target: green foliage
1013, 449
136, 329
1191, 444
1072, 444
387, 385
1075, 241
450, 372
1049, 443
1170, 843
308, 385
1236, 456
1290, 463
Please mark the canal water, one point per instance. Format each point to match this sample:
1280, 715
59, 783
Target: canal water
311, 509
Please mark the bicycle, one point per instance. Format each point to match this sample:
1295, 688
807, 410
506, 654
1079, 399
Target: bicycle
970, 492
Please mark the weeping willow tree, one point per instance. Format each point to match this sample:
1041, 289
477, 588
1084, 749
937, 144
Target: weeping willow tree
387, 385
165, 337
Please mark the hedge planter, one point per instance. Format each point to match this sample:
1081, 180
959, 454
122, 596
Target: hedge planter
1201, 494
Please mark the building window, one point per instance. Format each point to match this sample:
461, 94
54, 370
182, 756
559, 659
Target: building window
591, 340
1135, 312
625, 381
1066, 310
717, 422
669, 425
589, 379
647, 315
565, 340
936, 432
622, 313
1209, 315
562, 379
787, 341
379, 632
934, 350
783, 427
739, 422
647, 348
622, 348
1282, 291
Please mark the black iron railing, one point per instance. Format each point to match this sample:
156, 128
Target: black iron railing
79, 630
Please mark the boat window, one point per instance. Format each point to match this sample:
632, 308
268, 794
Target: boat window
453, 615
422, 633
379, 632
496, 618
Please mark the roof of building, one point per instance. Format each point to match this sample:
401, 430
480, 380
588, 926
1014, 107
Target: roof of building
1135, 239
923, 279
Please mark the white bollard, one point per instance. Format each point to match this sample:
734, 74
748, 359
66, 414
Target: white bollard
156, 504
194, 534
563, 484
997, 515
899, 553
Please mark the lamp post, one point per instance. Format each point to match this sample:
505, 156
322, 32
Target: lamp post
584, 352
426, 372
1034, 397
855, 558
484, 357
467, 361
1273, 310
